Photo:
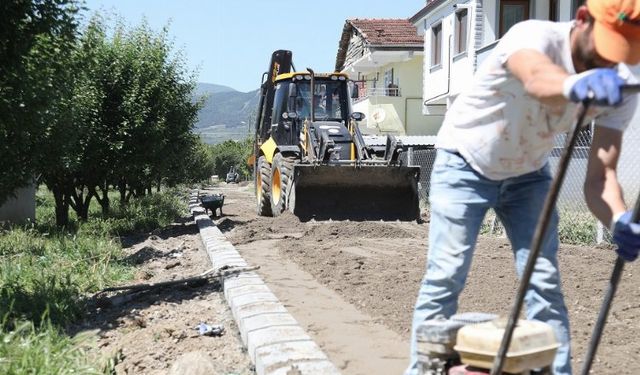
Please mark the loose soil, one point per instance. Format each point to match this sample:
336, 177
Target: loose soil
350, 285
155, 332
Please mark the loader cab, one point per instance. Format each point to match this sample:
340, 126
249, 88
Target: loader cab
330, 97
285, 126
293, 100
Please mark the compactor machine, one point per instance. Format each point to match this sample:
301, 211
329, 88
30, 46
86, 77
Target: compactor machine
310, 157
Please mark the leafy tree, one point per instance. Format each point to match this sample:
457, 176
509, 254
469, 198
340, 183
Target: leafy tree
105, 109
35, 39
158, 110
232, 153
69, 142
199, 164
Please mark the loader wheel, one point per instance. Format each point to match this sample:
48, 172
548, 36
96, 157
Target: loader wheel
281, 172
263, 187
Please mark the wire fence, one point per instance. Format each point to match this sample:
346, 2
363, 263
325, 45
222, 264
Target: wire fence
577, 224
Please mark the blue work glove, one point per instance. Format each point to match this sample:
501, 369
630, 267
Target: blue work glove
604, 84
627, 236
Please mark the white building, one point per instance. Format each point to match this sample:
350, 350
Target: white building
459, 34
384, 58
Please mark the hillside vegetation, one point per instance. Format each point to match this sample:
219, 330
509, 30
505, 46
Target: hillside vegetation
226, 114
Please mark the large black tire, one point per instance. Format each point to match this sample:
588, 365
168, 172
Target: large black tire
263, 187
281, 173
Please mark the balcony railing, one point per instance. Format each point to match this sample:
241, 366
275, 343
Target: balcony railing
367, 89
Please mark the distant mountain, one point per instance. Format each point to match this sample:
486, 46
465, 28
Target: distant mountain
226, 114
210, 88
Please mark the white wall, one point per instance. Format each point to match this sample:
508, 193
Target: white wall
490, 24
20, 208
436, 79
455, 71
540, 10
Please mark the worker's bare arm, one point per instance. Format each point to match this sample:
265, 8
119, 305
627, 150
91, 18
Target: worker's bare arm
541, 78
601, 188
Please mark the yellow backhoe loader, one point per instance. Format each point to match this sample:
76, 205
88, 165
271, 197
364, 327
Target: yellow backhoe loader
310, 157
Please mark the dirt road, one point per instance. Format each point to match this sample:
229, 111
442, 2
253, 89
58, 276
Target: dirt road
352, 285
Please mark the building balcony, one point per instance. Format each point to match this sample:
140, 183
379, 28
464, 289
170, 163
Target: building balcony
372, 89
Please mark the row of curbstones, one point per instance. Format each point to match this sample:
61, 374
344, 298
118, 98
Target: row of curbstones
275, 342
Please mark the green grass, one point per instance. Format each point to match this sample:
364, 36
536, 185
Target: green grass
44, 350
51, 271
140, 215
575, 228
45, 273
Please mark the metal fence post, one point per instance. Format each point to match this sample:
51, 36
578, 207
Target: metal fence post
599, 232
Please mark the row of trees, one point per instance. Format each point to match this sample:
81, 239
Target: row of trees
83, 111
229, 154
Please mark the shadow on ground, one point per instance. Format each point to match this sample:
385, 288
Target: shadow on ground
226, 224
182, 226
106, 312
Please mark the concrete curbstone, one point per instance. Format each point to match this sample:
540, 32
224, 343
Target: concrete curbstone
250, 298
273, 335
231, 293
258, 308
228, 258
264, 320
312, 367
282, 357
275, 342
246, 278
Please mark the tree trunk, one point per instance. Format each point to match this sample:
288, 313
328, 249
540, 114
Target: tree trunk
83, 211
80, 203
130, 193
103, 199
122, 188
62, 207
106, 204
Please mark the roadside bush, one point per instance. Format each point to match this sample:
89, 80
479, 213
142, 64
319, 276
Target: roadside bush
575, 228
140, 215
232, 153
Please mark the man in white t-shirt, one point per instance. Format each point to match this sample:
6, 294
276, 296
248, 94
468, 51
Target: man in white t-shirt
494, 144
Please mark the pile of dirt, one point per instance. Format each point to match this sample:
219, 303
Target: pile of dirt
366, 229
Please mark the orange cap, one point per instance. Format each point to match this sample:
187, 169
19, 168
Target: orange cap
616, 29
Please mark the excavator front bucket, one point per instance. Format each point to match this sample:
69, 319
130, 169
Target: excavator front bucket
369, 192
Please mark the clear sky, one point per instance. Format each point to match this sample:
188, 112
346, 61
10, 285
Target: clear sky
230, 41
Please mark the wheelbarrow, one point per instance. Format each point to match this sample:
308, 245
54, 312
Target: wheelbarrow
212, 203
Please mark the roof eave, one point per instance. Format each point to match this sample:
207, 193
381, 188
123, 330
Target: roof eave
408, 47
424, 11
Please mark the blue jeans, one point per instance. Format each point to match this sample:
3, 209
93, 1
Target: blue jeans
459, 199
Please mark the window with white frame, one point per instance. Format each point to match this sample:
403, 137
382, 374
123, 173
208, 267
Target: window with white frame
436, 44
461, 25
